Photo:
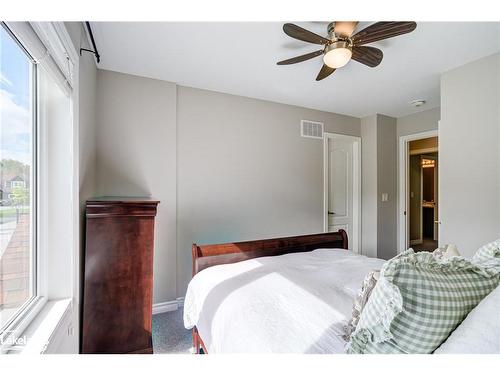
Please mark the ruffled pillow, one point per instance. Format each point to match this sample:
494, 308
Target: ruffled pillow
419, 300
443, 252
360, 301
488, 253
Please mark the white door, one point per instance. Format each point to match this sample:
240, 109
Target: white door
342, 175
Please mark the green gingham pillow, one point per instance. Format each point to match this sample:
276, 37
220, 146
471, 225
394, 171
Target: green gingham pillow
418, 301
487, 253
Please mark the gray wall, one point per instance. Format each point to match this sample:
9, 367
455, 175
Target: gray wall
136, 153
379, 158
369, 189
387, 183
418, 122
225, 167
470, 154
87, 81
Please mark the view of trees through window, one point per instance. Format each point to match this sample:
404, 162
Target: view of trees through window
16, 185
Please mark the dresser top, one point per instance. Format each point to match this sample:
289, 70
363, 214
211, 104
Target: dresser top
123, 200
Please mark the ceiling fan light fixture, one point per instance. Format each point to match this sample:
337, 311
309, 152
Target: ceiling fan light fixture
337, 54
343, 44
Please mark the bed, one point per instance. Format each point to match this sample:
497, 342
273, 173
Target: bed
284, 295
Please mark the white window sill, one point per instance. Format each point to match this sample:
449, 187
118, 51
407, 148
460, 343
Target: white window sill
42, 331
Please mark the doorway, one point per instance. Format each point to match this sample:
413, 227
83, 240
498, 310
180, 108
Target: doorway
342, 186
419, 192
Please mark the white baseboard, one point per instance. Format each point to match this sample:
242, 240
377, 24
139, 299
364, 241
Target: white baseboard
163, 307
180, 301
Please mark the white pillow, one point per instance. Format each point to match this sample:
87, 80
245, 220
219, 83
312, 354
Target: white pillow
479, 333
446, 252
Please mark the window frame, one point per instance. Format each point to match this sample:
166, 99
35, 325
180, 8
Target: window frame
50, 43
16, 324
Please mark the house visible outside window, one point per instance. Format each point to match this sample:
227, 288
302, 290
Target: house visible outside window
18, 164
17, 184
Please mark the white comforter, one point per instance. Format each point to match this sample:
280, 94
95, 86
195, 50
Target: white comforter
294, 303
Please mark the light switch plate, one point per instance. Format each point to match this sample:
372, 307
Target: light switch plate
385, 197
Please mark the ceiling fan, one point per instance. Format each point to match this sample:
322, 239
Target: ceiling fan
342, 44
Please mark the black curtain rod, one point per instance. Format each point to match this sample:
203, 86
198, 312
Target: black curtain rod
95, 52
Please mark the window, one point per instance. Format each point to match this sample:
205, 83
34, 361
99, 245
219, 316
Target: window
38, 181
18, 271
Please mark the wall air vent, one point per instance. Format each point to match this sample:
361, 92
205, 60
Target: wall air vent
311, 129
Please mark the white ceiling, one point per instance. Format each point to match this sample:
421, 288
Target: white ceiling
240, 58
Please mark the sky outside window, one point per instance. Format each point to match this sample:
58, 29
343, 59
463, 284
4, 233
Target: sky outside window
15, 97
16, 131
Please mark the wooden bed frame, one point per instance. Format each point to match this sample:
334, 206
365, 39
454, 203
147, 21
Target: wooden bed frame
205, 256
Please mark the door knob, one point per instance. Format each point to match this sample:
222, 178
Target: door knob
331, 213
437, 221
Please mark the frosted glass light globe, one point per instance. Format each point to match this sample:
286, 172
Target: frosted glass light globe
337, 55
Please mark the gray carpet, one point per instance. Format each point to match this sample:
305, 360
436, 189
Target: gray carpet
169, 334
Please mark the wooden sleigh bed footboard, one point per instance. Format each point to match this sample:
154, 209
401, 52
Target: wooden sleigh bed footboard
205, 256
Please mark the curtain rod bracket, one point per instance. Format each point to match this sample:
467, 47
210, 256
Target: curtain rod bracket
94, 51
89, 50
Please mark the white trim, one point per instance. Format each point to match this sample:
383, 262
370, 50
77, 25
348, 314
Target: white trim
56, 39
436, 201
18, 326
180, 301
438, 219
49, 49
403, 220
45, 332
75, 154
65, 38
421, 203
355, 239
162, 307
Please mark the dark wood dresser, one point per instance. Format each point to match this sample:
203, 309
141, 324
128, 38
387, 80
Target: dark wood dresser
118, 275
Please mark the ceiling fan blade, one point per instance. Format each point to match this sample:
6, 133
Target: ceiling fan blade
382, 30
345, 28
301, 58
370, 56
299, 33
324, 72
